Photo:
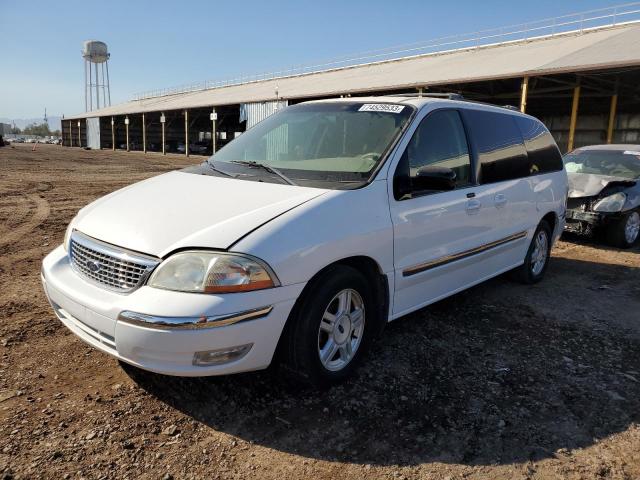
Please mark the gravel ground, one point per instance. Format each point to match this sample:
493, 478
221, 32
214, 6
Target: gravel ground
503, 381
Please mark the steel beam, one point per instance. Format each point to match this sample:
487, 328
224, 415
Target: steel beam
612, 117
186, 132
144, 135
113, 135
524, 89
574, 117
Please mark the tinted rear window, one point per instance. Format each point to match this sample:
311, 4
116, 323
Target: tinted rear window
498, 141
544, 155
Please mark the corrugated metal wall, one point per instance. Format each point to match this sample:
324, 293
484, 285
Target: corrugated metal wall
256, 112
93, 133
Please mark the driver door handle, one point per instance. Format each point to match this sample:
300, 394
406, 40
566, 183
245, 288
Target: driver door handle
473, 206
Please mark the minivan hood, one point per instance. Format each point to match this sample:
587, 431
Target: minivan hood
183, 210
590, 184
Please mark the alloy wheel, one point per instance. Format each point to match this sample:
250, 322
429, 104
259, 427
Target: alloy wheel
540, 252
341, 330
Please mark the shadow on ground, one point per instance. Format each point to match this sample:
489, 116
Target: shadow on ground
476, 379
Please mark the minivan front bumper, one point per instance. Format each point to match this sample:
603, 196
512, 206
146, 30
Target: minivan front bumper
170, 332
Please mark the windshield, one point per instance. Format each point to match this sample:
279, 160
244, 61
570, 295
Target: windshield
327, 145
614, 163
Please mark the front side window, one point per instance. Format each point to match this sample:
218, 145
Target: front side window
327, 145
499, 144
438, 148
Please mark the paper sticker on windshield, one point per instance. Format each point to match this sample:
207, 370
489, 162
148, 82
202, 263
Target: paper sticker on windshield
631, 152
381, 107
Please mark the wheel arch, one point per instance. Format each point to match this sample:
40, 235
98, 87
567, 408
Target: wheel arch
371, 271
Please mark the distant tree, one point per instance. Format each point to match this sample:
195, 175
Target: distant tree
56, 133
16, 130
35, 129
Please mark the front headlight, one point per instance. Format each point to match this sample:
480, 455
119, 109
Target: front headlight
612, 203
212, 272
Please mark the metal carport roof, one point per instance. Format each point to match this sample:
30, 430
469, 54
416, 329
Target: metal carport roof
594, 49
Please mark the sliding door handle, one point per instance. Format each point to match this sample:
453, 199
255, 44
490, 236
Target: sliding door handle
500, 200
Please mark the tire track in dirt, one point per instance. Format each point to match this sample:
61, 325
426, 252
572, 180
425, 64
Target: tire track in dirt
39, 212
17, 207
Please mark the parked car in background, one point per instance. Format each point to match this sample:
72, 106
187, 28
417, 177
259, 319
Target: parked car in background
196, 148
604, 192
303, 237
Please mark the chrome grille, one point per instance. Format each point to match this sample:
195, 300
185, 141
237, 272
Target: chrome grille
111, 267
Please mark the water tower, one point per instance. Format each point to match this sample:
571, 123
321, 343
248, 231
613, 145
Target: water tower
96, 86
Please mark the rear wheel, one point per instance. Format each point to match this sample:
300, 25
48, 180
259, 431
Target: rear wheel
535, 263
331, 328
624, 232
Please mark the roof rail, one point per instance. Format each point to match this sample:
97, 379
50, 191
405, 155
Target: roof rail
448, 96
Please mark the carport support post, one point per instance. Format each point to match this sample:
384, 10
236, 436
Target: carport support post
612, 117
524, 89
126, 126
70, 133
162, 120
79, 135
574, 117
186, 132
214, 117
144, 135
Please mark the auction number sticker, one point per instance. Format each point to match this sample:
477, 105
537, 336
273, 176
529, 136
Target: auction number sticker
631, 152
381, 107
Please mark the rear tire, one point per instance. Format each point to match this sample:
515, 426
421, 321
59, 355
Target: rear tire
537, 259
331, 327
624, 233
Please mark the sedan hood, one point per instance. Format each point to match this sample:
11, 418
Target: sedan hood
589, 184
184, 210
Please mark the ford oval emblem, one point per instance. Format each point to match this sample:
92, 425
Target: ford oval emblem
93, 266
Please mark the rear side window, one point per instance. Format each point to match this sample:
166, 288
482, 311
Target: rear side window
498, 141
544, 155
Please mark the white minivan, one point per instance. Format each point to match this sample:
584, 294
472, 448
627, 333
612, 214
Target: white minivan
308, 233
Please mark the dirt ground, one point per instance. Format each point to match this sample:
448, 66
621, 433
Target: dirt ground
503, 381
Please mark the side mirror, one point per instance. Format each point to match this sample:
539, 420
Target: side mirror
434, 178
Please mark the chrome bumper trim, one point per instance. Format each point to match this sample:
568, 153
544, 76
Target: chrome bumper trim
191, 323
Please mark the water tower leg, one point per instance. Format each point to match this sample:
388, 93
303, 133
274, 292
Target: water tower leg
97, 89
85, 85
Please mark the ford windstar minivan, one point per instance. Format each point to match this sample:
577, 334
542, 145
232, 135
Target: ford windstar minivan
308, 233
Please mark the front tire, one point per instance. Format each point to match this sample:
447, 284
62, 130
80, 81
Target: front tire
537, 259
331, 328
624, 232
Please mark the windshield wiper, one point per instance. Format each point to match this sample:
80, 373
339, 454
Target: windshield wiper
267, 168
210, 165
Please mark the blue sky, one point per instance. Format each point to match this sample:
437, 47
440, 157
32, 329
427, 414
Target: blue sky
157, 44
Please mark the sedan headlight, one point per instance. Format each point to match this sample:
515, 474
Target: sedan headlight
212, 272
612, 203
